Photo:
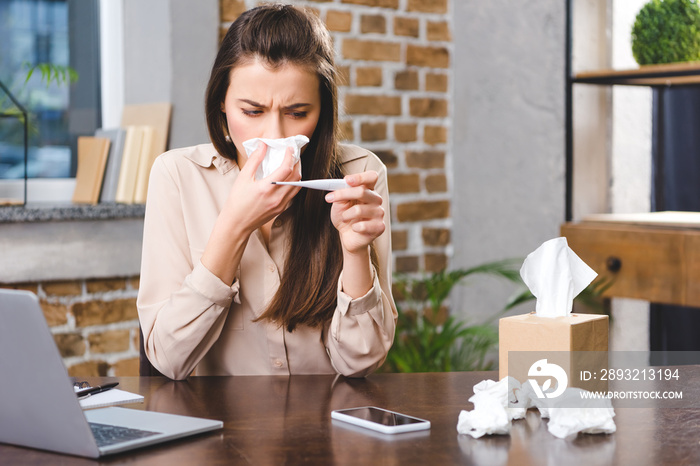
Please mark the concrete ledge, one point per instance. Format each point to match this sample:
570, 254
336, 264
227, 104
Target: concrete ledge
44, 213
70, 250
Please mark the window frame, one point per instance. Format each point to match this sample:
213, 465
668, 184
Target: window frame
111, 94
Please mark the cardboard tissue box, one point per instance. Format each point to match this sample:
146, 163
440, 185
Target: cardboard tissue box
575, 342
557, 339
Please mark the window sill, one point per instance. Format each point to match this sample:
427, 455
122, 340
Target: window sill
70, 242
62, 212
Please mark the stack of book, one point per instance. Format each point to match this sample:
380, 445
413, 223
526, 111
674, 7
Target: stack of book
114, 165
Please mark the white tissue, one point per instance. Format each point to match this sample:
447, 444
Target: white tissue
491, 414
542, 404
276, 148
487, 417
555, 276
571, 413
506, 391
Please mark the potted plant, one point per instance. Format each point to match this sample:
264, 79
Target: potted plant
667, 31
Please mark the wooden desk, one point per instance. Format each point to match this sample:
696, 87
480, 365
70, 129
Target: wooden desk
654, 257
279, 420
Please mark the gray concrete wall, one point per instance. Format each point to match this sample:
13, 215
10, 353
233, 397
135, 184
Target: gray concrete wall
508, 138
168, 52
70, 250
147, 63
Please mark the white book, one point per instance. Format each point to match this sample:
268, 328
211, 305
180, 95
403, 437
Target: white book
148, 156
109, 398
130, 165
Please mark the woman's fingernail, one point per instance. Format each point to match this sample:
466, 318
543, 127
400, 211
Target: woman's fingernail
351, 179
330, 197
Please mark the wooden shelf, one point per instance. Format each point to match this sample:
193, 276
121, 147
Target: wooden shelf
645, 259
649, 75
664, 219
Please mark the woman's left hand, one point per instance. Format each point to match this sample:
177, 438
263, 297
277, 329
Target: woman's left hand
357, 212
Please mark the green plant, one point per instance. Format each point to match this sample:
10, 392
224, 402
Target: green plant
592, 296
429, 339
12, 108
49, 73
667, 31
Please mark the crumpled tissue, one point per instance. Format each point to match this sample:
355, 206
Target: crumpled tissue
276, 148
491, 413
569, 413
487, 417
507, 391
555, 275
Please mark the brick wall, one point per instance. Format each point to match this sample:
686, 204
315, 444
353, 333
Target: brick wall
94, 323
395, 57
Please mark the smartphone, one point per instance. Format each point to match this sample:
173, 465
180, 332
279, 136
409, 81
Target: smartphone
381, 420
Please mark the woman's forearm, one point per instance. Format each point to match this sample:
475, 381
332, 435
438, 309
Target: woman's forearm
224, 251
357, 273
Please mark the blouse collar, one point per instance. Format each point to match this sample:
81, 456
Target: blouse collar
205, 155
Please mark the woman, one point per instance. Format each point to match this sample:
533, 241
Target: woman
242, 276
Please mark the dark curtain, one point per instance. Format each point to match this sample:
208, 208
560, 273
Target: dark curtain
675, 186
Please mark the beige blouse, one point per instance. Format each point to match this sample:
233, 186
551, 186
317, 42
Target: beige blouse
192, 320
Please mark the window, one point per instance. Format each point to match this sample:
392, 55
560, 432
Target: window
59, 32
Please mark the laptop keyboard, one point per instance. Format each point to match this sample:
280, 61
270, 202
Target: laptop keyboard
106, 435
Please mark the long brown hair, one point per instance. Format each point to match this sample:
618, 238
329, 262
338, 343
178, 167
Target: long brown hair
280, 35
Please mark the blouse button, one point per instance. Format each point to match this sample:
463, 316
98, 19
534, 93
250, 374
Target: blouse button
278, 363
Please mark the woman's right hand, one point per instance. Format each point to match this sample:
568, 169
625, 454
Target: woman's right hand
250, 204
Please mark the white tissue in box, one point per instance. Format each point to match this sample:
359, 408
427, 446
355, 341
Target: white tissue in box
555, 275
